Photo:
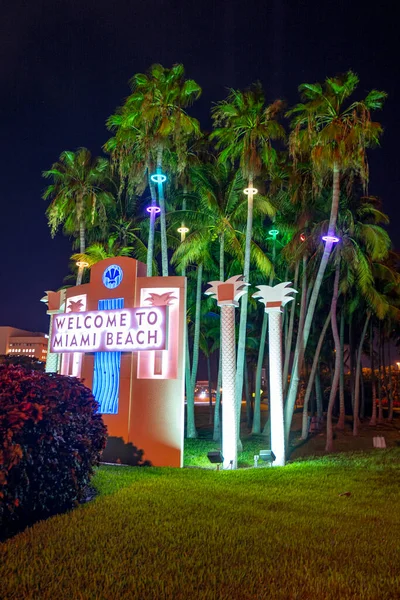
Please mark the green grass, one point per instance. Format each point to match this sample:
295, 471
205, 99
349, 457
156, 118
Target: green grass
279, 533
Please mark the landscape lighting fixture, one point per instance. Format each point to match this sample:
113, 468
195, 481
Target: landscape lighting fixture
82, 264
154, 209
215, 458
303, 237
267, 456
158, 178
273, 233
251, 191
331, 238
183, 229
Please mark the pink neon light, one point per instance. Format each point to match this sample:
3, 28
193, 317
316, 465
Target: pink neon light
331, 238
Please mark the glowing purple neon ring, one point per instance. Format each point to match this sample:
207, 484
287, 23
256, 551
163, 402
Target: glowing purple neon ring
154, 209
158, 178
331, 238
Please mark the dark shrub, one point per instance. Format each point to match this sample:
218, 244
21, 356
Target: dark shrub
50, 439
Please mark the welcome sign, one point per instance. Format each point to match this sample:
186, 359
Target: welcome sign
123, 330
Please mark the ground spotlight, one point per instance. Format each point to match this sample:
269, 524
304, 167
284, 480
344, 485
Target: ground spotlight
267, 456
215, 458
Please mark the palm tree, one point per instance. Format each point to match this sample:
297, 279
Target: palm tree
336, 137
79, 195
244, 134
155, 116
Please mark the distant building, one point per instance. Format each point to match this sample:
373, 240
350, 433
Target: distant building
16, 342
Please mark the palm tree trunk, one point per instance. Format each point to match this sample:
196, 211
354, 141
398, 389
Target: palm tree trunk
217, 424
304, 431
191, 427
209, 388
163, 227
299, 340
373, 380
318, 393
260, 359
342, 412
150, 243
335, 382
357, 381
390, 415
256, 429
243, 312
289, 339
82, 248
380, 406
351, 358
247, 394
294, 383
217, 407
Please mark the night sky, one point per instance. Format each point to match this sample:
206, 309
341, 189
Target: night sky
64, 68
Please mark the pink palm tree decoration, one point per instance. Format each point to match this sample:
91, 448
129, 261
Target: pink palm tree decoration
274, 298
227, 295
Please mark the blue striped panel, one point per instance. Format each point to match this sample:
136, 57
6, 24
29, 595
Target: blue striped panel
107, 367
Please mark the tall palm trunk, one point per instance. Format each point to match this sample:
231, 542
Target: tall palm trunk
335, 382
373, 379
294, 382
163, 227
261, 351
191, 426
241, 348
299, 351
150, 243
311, 379
256, 429
351, 358
390, 415
380, 406
217, 424
82, 248
318, 393
289, 340
357, 381
342, 413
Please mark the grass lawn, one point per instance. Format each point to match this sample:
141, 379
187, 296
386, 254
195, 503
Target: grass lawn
279, 533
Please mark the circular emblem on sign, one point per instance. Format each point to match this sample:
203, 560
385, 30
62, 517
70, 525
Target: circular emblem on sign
112, 276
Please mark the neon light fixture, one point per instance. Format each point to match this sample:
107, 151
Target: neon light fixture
273, 232
158, 178
82, 264
153, 209
251, 191
183, 229
331, 238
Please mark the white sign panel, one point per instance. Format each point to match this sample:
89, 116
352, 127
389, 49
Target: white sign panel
123, 330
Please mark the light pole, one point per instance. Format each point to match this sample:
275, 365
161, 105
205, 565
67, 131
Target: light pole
227, 295
274, 298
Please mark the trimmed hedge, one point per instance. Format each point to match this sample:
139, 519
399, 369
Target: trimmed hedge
51, 437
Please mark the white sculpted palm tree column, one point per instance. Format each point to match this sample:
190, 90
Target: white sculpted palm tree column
274, 299
227, 295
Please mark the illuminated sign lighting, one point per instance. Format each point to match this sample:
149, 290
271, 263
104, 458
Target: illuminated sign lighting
154, 209
158, 178
124, 330
251, 191
331, 238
